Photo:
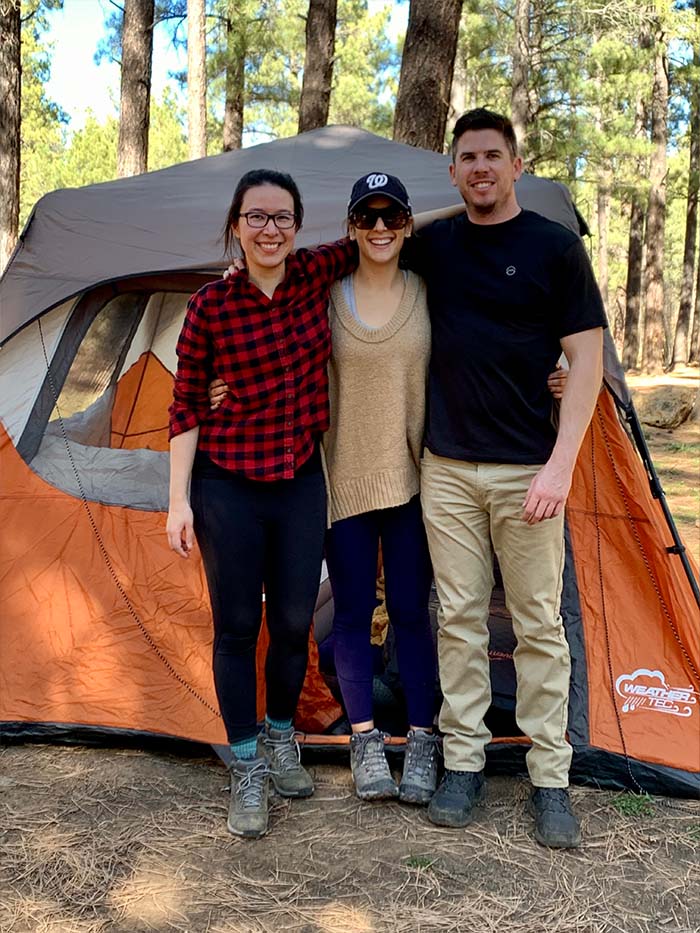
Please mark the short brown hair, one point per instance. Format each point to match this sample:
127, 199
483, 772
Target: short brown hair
482, 119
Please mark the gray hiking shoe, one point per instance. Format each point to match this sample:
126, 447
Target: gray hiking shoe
281, 749
420, 767
556, 824
370, 769
247, 809
453, 802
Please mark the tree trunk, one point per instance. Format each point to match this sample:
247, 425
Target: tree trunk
520, 81
318, 64
635, 253
653, 357
135, 102
603, 225
10, 123
680, 343
235, 86
426, 73
694, 353
196, 81
458, 91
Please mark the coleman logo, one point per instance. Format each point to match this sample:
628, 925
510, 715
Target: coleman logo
376, 181
649, 690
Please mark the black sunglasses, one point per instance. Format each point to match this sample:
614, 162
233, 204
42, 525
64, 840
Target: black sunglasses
365, 218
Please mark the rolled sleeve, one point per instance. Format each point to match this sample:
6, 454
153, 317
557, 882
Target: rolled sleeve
190, 400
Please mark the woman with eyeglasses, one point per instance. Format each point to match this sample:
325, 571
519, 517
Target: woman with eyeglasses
246, 478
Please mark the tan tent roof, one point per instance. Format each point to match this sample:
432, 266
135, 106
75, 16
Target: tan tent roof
170, 220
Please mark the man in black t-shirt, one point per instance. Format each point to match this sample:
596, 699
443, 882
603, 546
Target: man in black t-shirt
508, 290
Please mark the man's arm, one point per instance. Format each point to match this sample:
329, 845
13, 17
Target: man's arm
547, 494
423, 218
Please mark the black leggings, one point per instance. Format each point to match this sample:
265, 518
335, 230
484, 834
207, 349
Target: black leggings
252, 533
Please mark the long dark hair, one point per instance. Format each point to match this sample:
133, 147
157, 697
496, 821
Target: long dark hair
254, 179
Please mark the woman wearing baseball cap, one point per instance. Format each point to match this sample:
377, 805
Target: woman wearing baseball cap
380, 336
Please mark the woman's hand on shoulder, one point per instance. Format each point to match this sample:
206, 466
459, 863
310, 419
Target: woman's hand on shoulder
556, 381
180, 529
238, 265
217, 391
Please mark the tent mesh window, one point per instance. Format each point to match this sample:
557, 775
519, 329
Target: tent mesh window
85, 399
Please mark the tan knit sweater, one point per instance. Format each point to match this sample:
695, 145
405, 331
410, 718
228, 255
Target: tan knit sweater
377, 393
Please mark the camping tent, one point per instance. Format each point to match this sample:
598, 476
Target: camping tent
103, 628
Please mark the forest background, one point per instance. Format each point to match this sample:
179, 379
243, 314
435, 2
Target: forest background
604, 95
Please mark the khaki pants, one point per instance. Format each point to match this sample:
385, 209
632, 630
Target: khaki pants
467, 507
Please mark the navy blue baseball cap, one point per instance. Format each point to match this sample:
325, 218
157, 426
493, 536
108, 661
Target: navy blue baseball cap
379, 183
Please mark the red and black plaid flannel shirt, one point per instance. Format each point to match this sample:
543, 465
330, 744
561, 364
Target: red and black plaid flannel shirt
272, 354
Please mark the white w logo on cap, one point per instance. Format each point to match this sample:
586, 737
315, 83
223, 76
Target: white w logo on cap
376, 181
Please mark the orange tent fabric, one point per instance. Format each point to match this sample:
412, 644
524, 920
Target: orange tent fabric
74, 651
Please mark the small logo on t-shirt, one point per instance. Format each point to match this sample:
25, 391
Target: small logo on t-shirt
510, 270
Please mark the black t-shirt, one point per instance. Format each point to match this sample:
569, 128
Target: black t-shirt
500, 296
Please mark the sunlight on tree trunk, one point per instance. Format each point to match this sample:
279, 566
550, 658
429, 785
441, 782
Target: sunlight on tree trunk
318, 64
196, 80
135, 102
10, 110
426, 73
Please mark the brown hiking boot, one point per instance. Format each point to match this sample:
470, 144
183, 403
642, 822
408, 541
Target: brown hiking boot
281, 749
420, 767
370, 769
247, 810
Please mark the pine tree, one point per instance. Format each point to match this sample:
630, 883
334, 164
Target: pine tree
318, 64
426, 73
196, 80
135, 100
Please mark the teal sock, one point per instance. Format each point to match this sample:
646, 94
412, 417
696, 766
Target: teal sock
247, 749
280, 724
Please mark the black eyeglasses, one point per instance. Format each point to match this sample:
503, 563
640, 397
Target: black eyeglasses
366, 217
259, 219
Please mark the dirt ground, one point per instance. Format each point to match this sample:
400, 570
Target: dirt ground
130, 840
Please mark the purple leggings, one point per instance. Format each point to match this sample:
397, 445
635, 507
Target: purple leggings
351, 556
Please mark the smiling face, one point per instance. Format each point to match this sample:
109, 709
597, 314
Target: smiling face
485, 171
379, 245
265, 249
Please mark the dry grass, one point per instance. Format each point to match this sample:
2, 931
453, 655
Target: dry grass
95, 840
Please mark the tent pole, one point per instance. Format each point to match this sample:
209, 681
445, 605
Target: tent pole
658, 493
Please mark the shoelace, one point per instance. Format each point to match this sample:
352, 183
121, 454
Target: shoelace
250, 786
285, 750
370, 751
420, 753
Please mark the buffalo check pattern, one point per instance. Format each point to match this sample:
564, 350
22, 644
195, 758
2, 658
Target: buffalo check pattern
272, 354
